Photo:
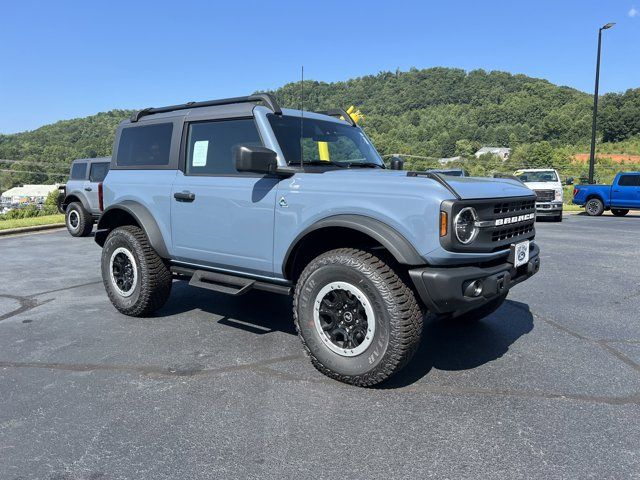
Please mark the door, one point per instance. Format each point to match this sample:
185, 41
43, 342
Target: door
221, 217
627, 192
97, 172
77, 179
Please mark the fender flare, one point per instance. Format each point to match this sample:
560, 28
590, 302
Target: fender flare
80, 196
401, 249
109, 220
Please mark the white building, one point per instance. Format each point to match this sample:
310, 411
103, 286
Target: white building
27, 194
501, 152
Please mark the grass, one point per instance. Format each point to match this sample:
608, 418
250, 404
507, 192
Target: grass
31, 222
570, 207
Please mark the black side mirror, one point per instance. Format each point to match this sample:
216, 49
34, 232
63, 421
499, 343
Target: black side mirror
569, 181
396, 163
255, 159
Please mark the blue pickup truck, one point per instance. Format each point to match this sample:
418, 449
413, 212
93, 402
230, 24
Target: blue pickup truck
620, 197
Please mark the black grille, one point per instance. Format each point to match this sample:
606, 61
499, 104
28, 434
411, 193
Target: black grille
507, 233
511, 213
545, 195
509, 207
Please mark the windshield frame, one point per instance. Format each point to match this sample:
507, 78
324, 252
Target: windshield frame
294, 117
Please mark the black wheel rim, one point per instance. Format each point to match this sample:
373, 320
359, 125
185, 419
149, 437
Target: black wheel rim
122, 270
343, 319
74, 219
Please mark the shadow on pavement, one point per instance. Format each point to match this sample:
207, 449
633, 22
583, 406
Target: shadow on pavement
452, 346
446, 344
255, 312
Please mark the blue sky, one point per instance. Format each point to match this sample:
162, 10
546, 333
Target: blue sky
67, 59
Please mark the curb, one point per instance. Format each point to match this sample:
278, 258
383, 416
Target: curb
36, 228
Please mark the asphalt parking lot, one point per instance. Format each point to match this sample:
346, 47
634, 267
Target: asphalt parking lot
218, 387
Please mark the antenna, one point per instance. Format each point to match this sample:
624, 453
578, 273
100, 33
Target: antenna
301, 116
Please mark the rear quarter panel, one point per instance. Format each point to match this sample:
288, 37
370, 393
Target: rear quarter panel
586, 192
149, 188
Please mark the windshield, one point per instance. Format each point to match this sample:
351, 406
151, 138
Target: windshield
544, 176
323, 142
451, 173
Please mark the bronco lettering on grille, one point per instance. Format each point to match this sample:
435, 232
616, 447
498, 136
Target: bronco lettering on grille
516, 219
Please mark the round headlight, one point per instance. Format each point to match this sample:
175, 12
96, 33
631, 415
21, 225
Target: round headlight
465, 225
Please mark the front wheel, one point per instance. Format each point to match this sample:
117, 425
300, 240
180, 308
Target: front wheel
619, 212
594, 207
136, 279
357, 319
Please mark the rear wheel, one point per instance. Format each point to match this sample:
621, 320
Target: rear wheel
136, 279
357, 319
594, 207
619, 212
79, 221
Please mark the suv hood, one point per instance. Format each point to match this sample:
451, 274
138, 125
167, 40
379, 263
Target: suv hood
478, 187
362, 179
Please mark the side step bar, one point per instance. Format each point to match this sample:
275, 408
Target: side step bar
229, 284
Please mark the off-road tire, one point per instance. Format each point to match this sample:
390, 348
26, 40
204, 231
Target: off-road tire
78, 216
478, 314
619, 212
154, 279
398, 316
557, 218
594, 207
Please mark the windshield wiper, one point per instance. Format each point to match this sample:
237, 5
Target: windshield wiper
321, 162
366, 165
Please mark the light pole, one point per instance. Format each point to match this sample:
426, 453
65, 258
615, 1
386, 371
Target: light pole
592, 155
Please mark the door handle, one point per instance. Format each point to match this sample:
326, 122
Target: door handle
184, 196
88, 189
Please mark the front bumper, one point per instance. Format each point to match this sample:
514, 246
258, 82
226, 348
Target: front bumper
544, 209
442, 290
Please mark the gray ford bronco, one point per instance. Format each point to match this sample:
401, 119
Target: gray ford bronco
239, 194
79, 199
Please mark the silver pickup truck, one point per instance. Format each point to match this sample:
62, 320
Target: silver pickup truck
79, 199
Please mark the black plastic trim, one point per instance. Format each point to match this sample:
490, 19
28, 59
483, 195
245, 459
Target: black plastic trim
258, 284
442, 289
337, 113
401, 249
267, 98
80, 196
141, 215
437, 178
485, 210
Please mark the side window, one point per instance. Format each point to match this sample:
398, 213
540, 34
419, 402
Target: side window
145, 146
629, 180
210, 146
79, 171
98, 171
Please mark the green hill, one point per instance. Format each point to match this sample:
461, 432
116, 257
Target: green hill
436, 112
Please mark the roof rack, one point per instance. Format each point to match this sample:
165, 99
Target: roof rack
339, 113
258, 97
